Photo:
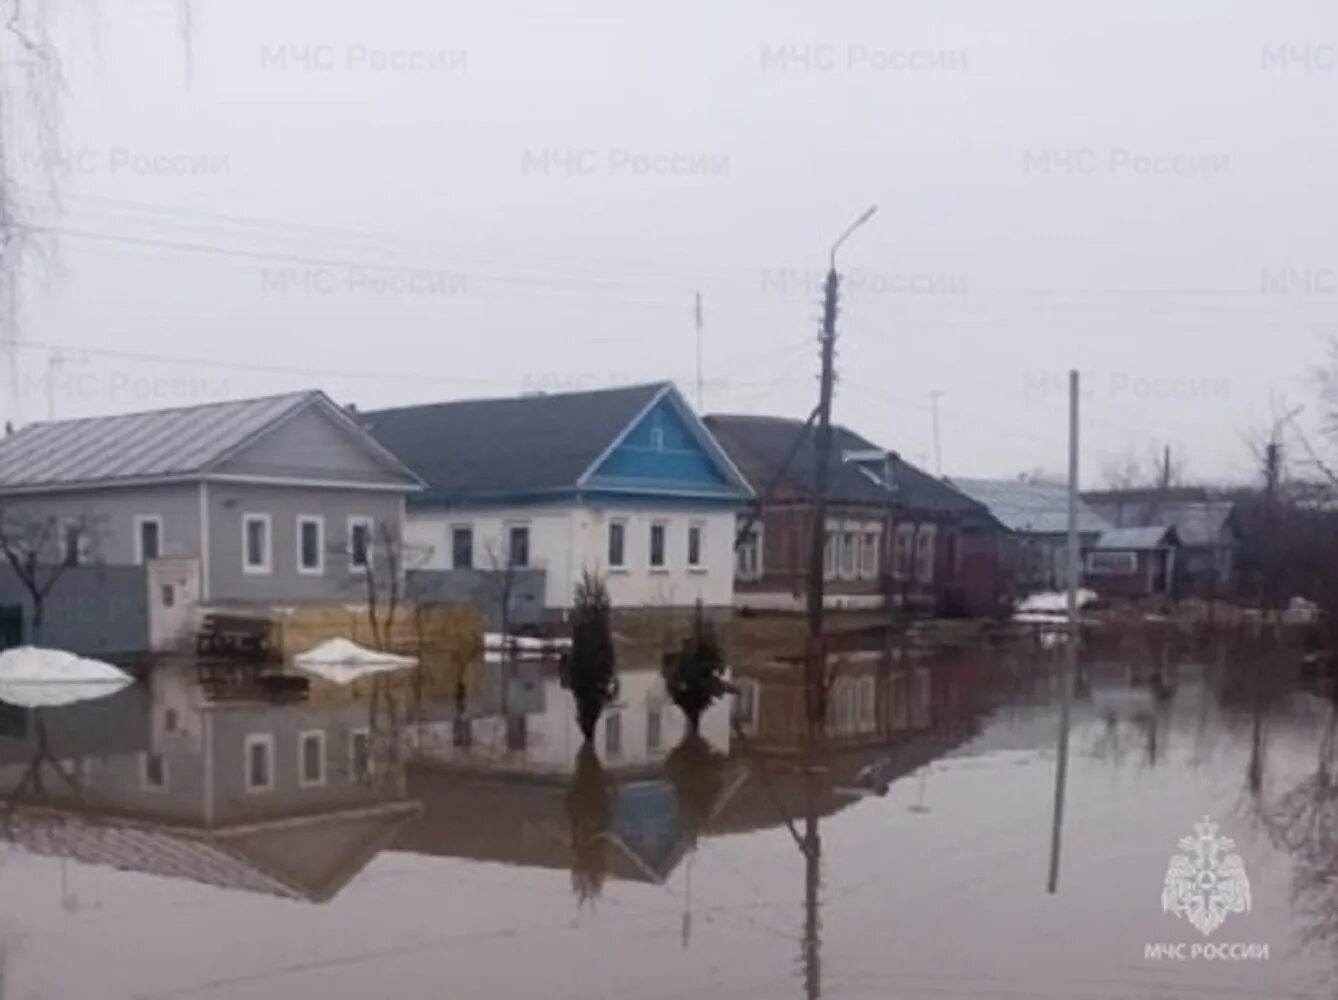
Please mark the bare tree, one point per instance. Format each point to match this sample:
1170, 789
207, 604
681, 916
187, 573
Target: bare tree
37, 549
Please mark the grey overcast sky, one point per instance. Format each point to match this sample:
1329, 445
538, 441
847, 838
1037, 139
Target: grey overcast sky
410, 201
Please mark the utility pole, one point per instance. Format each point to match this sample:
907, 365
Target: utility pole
816, 659
1070, 675
938, 453
701, 407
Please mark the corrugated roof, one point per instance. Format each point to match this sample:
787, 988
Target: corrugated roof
759, 446
1032, 508
496, 447
1135, 538
1197, 522
172, 442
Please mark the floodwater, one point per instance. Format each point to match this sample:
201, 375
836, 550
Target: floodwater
363, 842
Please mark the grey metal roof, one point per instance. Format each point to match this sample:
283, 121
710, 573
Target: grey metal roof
1139, 539
758, 445
1196, 522
172, 442
488, 448
1030, 507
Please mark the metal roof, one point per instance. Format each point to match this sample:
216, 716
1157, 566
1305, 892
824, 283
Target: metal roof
174, 442
1139, 539
1030, 507
1196, 522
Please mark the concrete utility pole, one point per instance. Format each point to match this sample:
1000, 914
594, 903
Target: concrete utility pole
1071, 673
822, 447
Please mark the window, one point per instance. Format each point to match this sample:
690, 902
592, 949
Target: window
360, 752
259, 762
148, 538
613, 734
310, 545
849, 555
657, 438
868, 560
153, 772
462, 548
517, 732
748, 555
169, 595
617, 544
652, 727
657, 546
311, 758
170, 721
903, 555
831, 555
359, 544
695, 532
255, 543
72, 543
1111, 563
518, 545
924, 554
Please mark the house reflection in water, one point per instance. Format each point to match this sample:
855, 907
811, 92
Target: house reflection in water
281, 799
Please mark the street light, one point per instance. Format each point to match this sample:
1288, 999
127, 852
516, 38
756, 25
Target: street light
868, 214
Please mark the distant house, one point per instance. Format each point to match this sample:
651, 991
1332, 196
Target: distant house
1133, 562
1208, 529
894, 534
625, 482
251, 502
1036, 515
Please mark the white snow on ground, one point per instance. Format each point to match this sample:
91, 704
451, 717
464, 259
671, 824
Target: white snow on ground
1054, 601
33, 677
343, 661
493, 641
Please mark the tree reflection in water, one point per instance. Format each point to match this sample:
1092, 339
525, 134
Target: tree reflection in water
589, 812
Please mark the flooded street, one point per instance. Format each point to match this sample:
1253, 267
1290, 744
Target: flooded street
364, 843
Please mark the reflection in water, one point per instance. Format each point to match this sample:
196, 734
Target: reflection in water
812, 866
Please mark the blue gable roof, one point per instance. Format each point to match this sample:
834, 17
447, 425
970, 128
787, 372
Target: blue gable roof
662, 453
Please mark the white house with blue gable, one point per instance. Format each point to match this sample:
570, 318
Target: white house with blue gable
625, 482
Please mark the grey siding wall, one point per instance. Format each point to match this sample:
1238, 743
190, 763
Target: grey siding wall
110, 515
310, 445
229, 502
92, 610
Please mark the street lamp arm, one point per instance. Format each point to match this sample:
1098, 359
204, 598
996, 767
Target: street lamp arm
868, 214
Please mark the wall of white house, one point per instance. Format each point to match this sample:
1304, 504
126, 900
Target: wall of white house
565, 539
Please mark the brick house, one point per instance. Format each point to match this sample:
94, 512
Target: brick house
895, 535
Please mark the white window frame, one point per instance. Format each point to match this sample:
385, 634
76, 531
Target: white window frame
654, 711
700, 528
302, 521
869, 543
366, 733
267, 567
1112, 562
140, 521
663, 565
252, 740
62, 541
302, 779
831, 553
613, 722
926, 541
749, 551
450, 542
144, 782
903, 552
850, 548
511, 526
360, 520
616, 567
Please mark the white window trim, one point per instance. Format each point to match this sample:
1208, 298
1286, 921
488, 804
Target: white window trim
144, 782
267, 567
451, 529
81, 550
369, 523
140, 521
757, 570
252, 740
510, 526
663, 565
700, 565
302, 780
319, 522
868, 556
364, 731
622, 566
926, 540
